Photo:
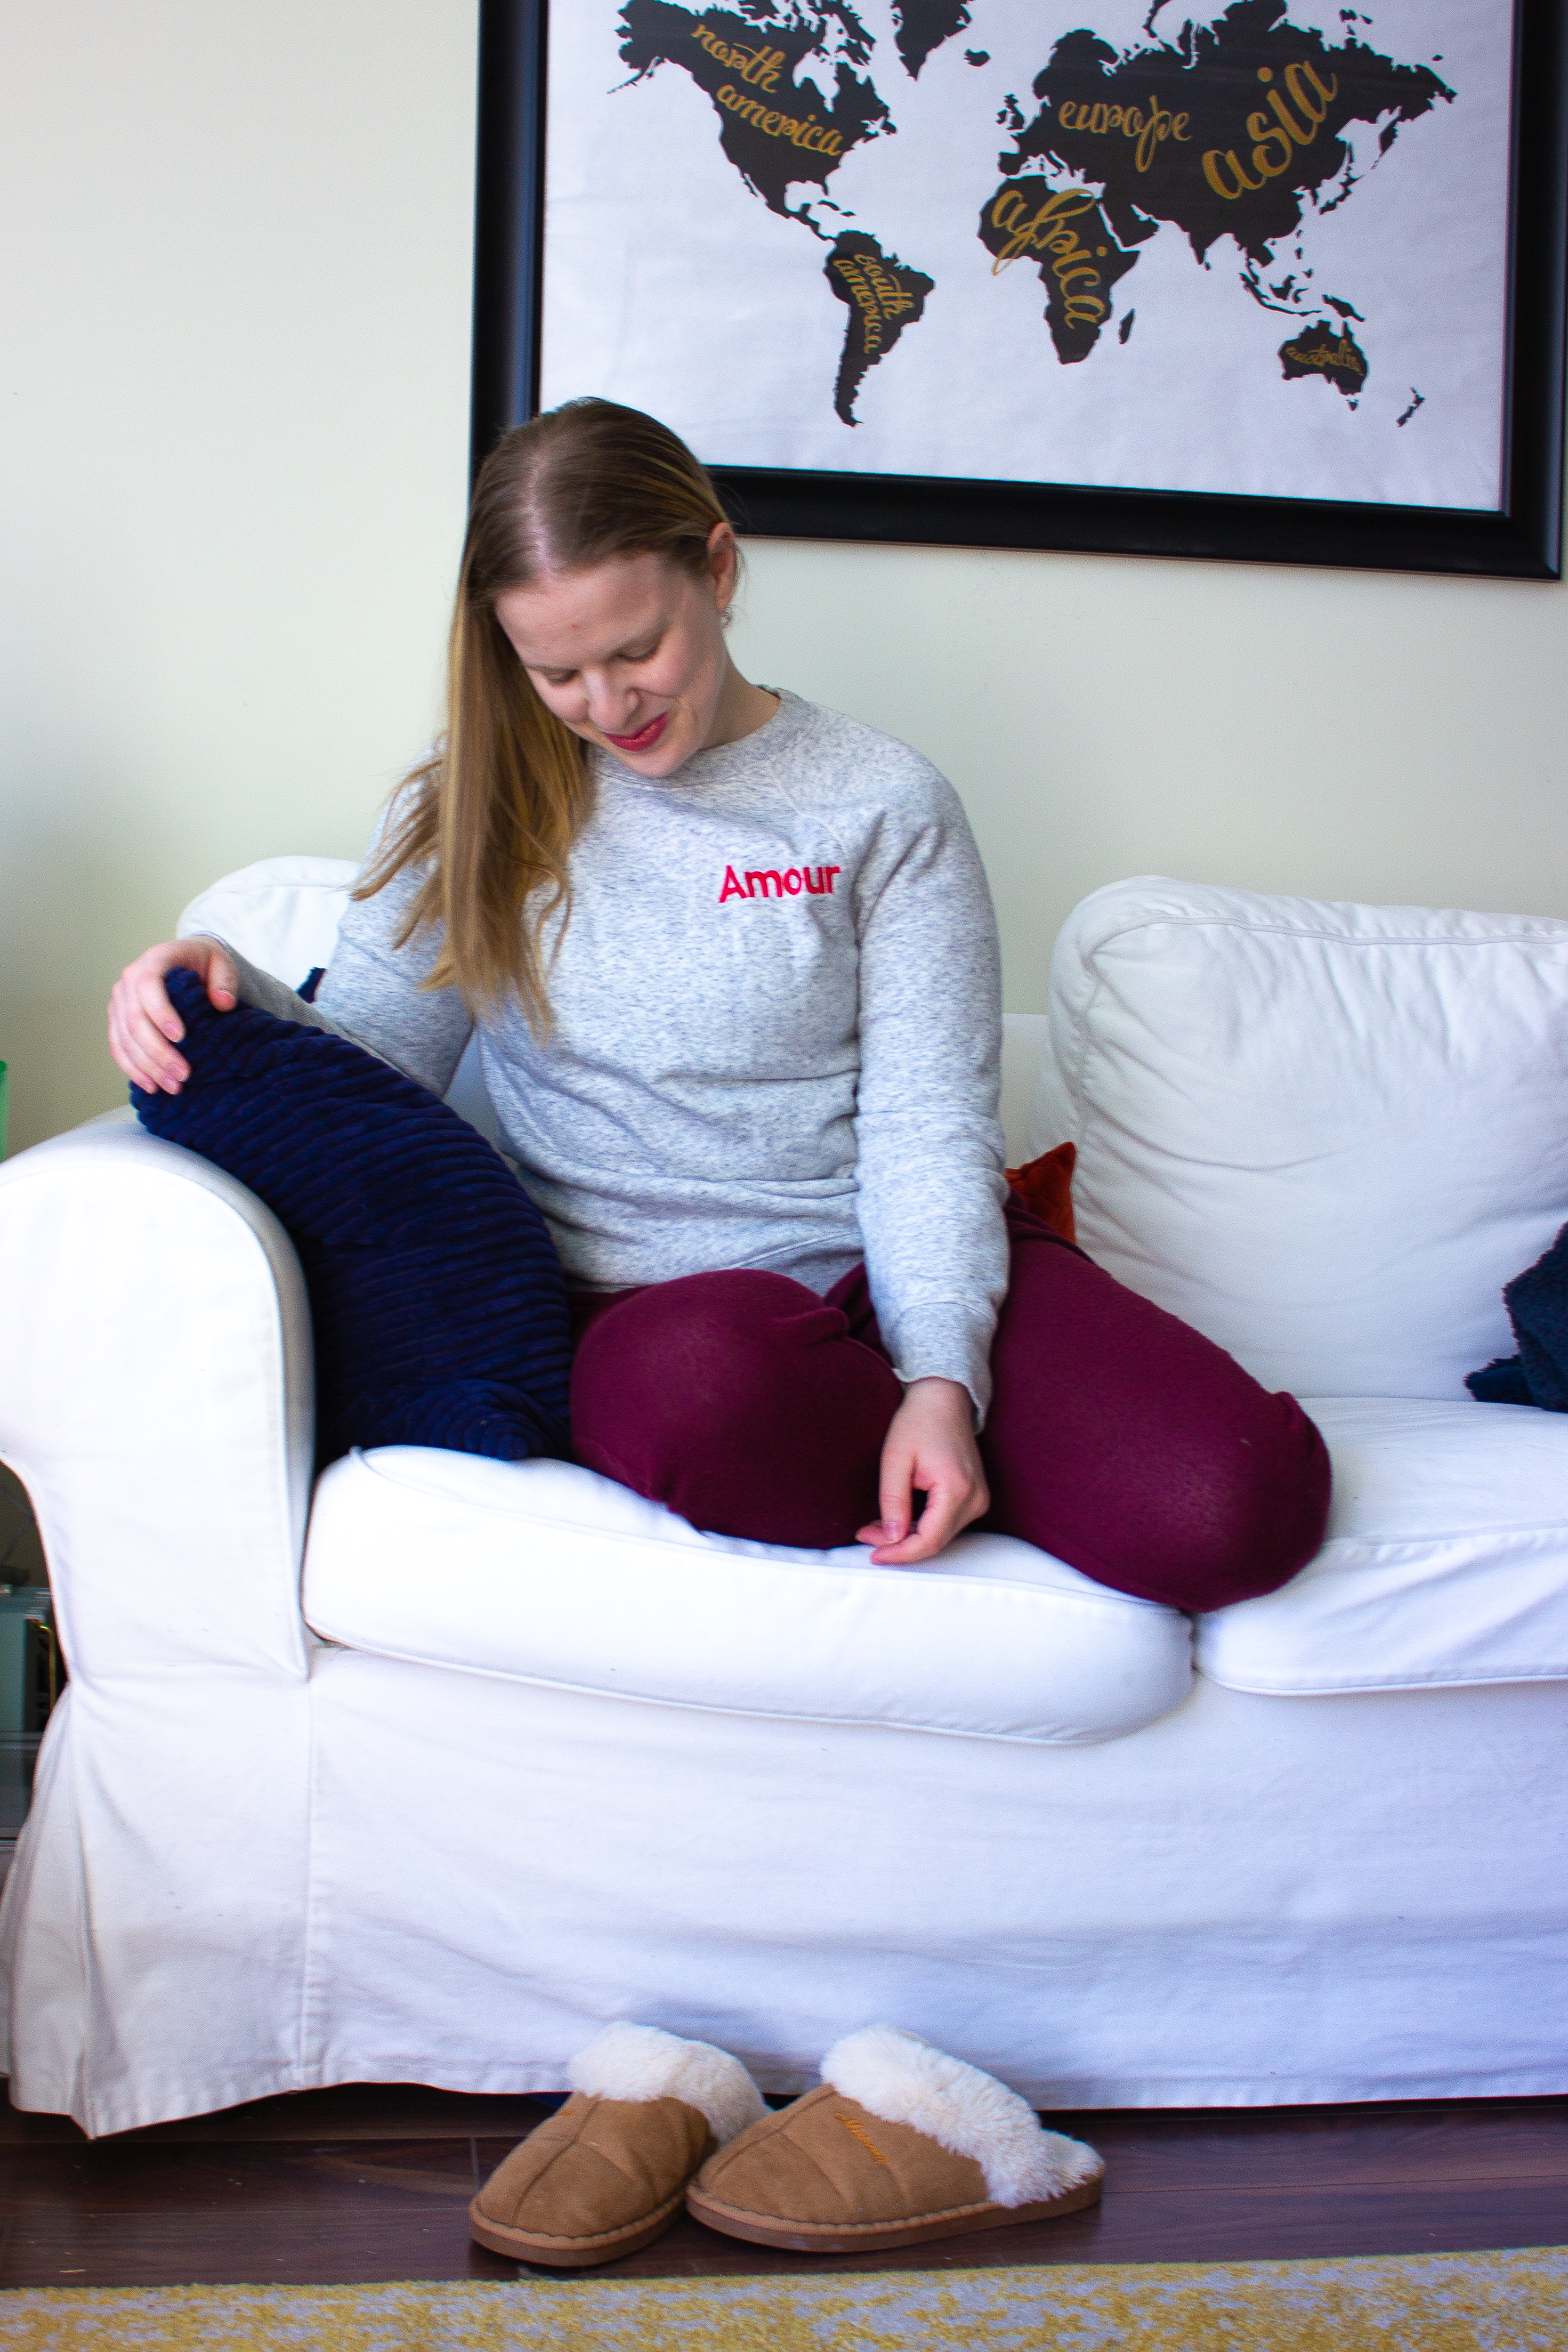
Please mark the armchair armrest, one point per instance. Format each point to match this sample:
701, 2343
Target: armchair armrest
156, 1397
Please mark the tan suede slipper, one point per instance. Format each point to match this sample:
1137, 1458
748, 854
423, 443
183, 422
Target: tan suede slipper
901, 2144
606, 2173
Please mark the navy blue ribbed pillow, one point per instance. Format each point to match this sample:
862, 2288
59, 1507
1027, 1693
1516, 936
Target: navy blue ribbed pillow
1537, 1302
437, 1299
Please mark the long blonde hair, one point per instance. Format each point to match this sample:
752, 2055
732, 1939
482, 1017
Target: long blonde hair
493, 815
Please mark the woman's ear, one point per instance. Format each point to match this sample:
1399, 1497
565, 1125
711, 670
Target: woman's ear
723, 564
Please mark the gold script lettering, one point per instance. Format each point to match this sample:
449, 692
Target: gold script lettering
1290, 134
1312, 107
1302, 138
1148, 130
877, 296
1259, 126
760, 66
1049, 231
1343, 355
1212, 162
814, 136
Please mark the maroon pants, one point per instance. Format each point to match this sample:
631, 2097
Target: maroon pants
1119, 1439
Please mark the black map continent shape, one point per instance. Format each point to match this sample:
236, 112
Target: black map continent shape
922, 25
883, 299
774, 134
1080, 257
1226, 132
1333, 353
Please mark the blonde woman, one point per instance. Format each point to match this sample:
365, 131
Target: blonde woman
732, 965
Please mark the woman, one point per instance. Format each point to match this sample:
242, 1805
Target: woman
733, 967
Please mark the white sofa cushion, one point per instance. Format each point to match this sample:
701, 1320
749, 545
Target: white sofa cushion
541, 1573
1327, 1134
1447, 1561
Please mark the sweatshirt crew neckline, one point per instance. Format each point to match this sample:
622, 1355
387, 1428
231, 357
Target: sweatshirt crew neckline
741, 762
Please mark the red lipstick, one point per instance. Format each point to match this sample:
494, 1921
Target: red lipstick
645, 739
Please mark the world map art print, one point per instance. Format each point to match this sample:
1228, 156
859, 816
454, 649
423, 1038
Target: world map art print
1259, 249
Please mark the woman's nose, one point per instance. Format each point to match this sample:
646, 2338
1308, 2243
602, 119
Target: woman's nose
609, 704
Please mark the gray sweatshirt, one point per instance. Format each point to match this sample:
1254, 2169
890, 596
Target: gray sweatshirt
776, 1033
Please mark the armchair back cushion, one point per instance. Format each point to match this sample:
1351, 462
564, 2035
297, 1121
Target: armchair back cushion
1327, 1134
282, 912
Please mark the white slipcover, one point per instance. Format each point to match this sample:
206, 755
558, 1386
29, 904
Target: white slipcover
533, 1754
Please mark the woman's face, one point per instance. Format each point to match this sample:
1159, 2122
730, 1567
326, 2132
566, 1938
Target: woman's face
631, 652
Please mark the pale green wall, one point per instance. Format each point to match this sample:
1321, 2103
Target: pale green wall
234, 402
233, 387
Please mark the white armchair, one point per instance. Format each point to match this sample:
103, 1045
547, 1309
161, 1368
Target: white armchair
426, 1776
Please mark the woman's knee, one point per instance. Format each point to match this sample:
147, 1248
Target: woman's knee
1254, 1516
1227, 1519
708, 1348
738, 1399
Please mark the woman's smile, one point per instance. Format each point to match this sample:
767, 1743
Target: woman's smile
646, 736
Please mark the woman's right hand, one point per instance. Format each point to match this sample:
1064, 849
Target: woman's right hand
144, 1026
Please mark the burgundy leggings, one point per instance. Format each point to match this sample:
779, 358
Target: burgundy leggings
1119, 1439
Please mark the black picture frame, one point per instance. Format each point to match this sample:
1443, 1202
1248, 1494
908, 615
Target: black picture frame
1522, 540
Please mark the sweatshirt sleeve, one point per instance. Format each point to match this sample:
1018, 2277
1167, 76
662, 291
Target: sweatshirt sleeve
371, 993
930, 1152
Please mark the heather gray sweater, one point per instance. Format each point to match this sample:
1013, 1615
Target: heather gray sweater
776, 1033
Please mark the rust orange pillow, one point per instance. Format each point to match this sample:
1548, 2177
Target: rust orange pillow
1045, 1188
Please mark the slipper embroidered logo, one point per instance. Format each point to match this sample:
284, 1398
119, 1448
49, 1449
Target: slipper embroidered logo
859, 2131
816, 881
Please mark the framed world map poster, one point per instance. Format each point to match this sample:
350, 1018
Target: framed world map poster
1278, 279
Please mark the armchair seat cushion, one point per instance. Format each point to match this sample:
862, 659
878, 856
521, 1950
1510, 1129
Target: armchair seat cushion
1446, 1563
542, 1572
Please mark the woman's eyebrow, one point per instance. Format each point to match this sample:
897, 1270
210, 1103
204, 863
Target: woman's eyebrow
643, 642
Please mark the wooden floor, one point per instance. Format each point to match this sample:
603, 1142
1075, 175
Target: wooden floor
373, 2182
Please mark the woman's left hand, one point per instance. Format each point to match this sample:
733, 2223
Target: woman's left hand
929, 1444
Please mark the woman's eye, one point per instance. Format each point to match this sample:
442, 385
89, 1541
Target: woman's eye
646, 653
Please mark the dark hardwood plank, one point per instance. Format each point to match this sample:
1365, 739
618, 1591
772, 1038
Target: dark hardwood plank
123, 2213
347, 2111
371, 2182
1232, 2149
315, 2249
322, 2225
93, 2182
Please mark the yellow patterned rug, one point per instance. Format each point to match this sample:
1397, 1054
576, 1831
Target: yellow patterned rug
1510, 2302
